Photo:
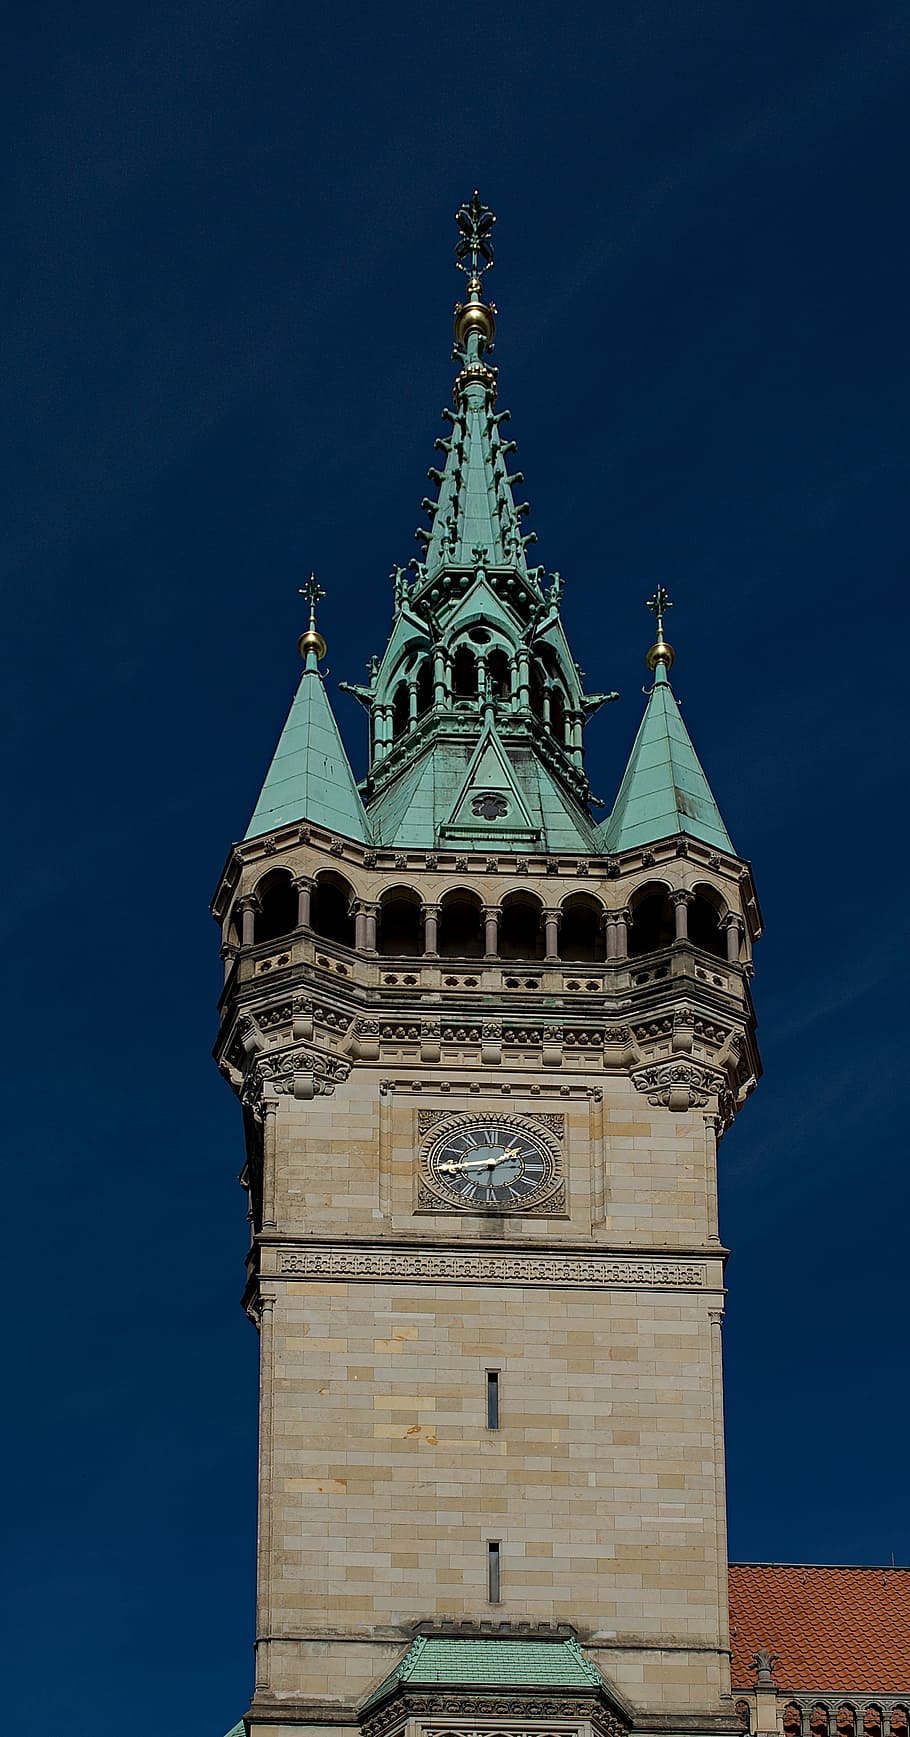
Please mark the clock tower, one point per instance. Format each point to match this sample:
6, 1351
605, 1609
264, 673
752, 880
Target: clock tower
485, 1047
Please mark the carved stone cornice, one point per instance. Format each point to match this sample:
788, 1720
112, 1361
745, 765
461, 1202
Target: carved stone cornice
473, 1708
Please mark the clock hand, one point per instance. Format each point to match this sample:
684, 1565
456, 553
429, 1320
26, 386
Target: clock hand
469, 1164
456, 1164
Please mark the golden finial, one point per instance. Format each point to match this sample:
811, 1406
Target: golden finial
311, 640
474, 256
661, 652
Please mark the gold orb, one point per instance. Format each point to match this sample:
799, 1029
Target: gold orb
474, 317
661, 653
311, 641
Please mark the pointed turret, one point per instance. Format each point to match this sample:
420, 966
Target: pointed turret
310, 777
664, 790
477, 648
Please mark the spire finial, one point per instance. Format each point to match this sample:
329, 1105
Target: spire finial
475, 244
661, 653
311, 644
474, 256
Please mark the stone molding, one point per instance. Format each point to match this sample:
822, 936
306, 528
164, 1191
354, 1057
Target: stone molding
479, 1269
484, 1713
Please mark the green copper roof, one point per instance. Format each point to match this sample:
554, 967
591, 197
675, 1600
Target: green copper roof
310, 777
429, 802
664, 790
532, 1664
237, 1730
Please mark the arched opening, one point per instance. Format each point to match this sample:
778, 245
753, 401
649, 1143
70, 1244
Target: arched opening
424, 687
500, 674
899, 1722
520, 927
652, 924
741, 1709
330, 910
400, 711
464, 673
400, 929
536, 689
704, 922
581, 932
461, 926
792, 1720
558, 715
845, 1720
818, 1721
872, 1721
277, 913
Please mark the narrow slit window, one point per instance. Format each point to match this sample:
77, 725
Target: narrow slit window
493, 1571
492, 1399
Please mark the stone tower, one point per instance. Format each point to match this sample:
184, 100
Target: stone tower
485, 1047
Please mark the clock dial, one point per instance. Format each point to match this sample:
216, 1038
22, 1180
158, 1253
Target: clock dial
490, 1164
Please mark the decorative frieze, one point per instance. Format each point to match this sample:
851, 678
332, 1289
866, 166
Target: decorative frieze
586, 1271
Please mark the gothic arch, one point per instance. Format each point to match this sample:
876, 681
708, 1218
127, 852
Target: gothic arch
464, 673
705, 920
331, 915
400, 710
652, 924
521, 932
581, 931
399, 929
460, 925
276, 897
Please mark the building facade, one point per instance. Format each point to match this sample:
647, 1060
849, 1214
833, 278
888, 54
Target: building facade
485, 1047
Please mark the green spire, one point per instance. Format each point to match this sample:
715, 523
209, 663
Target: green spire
477, 649
310, 777
664, 790
475, 518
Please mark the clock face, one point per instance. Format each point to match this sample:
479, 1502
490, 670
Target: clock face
491, 1162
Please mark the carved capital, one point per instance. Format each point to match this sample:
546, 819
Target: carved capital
677, 1085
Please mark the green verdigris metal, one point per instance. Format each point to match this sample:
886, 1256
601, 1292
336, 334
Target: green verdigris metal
477, 707
557, 1664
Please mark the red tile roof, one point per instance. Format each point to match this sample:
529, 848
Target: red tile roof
834, 1628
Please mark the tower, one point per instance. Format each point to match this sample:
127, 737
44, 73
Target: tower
484, 1048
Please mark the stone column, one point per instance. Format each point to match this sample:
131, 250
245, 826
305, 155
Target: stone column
269, 1130
681, 900
247, 908
440, 689
430, 915
551, 931
524, 680
611, 927
734, 930
264, 1550
491, 932
623, 919
412, 703
364, 926
304, 887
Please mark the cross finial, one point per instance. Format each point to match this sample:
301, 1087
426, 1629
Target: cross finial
661, 654
474, 247
312, 593
312, 641
658, 605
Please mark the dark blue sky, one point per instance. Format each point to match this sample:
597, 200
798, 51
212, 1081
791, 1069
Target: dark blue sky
226, 330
